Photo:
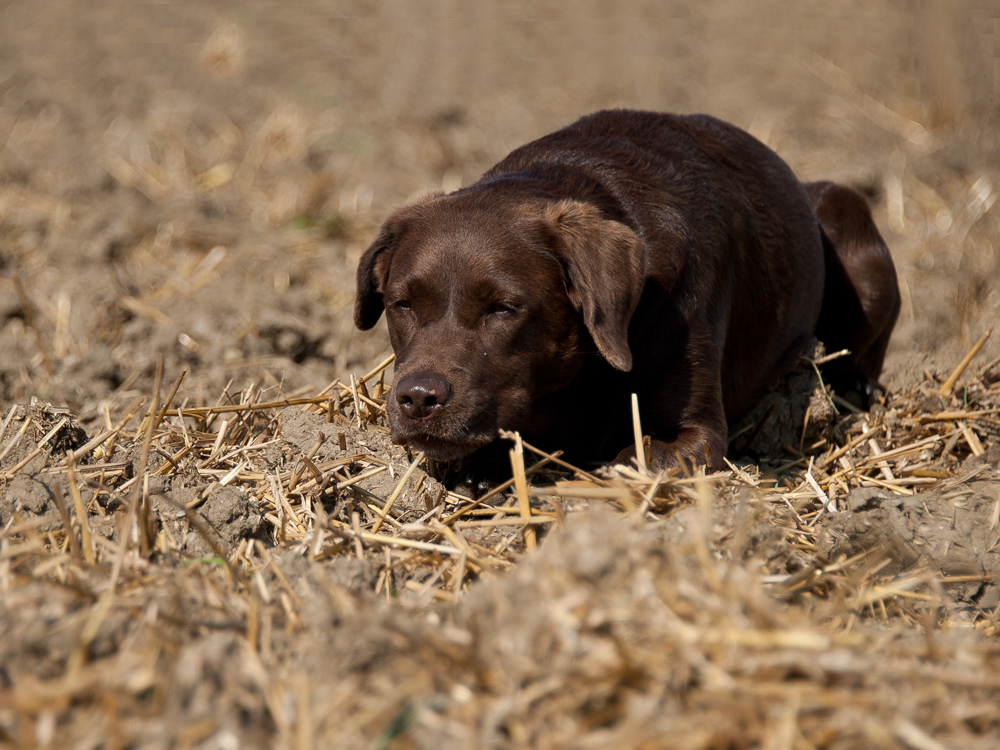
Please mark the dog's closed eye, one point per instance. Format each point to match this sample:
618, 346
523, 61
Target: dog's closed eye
503, 309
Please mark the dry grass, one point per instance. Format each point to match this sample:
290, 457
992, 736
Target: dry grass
141, 608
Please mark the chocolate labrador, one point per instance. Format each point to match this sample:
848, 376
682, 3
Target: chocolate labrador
671, 256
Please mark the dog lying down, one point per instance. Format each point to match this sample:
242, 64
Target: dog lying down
675, 257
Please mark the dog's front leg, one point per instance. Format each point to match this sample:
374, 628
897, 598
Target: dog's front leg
695, 446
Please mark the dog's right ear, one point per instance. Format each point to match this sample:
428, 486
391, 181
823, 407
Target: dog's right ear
372, 271
373, 268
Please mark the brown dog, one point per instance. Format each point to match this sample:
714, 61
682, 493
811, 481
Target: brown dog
675, 257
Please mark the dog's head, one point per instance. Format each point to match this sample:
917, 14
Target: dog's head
493, 303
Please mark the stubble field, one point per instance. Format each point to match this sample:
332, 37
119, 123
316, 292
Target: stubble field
207, 539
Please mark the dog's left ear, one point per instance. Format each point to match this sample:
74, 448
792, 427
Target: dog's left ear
606, 264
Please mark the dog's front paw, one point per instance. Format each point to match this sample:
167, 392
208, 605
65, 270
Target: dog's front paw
481, 472
658, 456
685, 454
472, 485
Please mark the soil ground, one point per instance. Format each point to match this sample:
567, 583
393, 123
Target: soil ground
193, 183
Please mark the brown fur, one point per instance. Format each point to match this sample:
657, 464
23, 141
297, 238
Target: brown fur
672, 256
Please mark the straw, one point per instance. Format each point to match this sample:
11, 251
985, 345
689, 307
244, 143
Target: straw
949, 385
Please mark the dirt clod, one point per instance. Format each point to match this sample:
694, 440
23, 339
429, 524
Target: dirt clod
778, 419
953, 532
232, 514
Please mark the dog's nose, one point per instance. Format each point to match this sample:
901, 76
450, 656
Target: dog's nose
421, 396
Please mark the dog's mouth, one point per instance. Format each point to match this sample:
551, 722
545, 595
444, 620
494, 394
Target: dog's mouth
442, 442
443, 449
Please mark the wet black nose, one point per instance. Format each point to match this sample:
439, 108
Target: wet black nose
421, 396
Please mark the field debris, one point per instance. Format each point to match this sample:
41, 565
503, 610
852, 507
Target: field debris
283, 550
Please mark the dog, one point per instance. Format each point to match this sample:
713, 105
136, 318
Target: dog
671, 256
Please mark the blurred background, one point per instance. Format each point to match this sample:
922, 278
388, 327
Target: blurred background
197, 180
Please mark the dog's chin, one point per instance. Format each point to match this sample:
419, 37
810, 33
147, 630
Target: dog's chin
441, 449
